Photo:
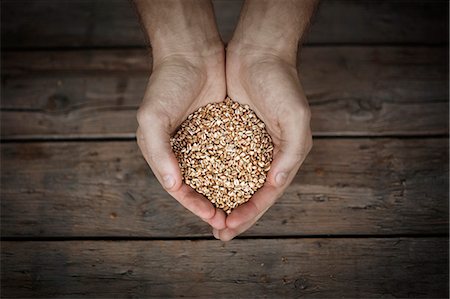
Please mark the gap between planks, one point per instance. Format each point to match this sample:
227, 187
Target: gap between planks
132, 137
205, 238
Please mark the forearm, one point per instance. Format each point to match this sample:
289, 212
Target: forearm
273, 25
179, 26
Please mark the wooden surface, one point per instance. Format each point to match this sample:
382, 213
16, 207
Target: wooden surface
363, 186
352, 91
277, 268
82, 216
113, 23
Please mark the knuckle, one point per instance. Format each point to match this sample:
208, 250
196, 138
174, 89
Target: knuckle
152, 115
153, 156
298, 112
307, 114
310, 145
143, 115
303, 150
299, 154
303, 112
208, 214
226, 237
139, 134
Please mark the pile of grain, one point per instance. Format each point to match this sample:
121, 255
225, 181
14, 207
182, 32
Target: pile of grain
224, 153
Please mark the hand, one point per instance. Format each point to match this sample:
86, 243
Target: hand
269, 84
180, 84
188, 72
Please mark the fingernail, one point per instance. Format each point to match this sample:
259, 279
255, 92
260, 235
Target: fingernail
168, 181
216, 234
281, 178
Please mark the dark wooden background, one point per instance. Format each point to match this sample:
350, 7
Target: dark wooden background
83, 216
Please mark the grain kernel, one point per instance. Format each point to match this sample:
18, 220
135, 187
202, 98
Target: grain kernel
224, 152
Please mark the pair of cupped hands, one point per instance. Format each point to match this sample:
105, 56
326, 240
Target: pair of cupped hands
183, 81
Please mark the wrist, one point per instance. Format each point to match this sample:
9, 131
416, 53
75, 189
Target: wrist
184, 27
189, 46
267, 27
246, 48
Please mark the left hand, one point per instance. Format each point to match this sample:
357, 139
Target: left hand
180, 84
270, 85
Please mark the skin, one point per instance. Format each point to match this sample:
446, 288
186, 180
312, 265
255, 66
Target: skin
189, 71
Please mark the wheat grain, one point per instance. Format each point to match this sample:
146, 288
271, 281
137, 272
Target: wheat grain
224, 152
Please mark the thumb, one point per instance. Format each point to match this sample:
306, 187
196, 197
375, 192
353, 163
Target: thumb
293, 146
156, 149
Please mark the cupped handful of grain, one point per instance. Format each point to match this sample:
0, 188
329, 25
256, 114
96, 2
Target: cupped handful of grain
224, 153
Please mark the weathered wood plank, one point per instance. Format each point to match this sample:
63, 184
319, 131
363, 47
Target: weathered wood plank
352, 91
65, 62
112, 23
346, 186
292, 268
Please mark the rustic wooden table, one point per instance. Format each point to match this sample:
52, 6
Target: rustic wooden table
83, 216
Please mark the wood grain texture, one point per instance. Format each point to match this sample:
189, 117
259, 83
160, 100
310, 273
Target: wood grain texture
372, 68
346, 186
352, 91
289, 268
112, 23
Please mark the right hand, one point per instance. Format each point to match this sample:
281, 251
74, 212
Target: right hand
179, 84
269, 83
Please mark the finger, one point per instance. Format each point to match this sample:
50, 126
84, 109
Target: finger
215, 233
155, 147
198, 204
241, 225
218, 220
228, 234
260, 202
194, 202
154, 142
294, 145
141, 144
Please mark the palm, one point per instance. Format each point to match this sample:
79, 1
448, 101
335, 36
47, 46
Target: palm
179, 86
271, 87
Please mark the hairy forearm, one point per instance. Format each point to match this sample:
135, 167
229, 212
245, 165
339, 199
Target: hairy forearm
273, 25
179, 26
